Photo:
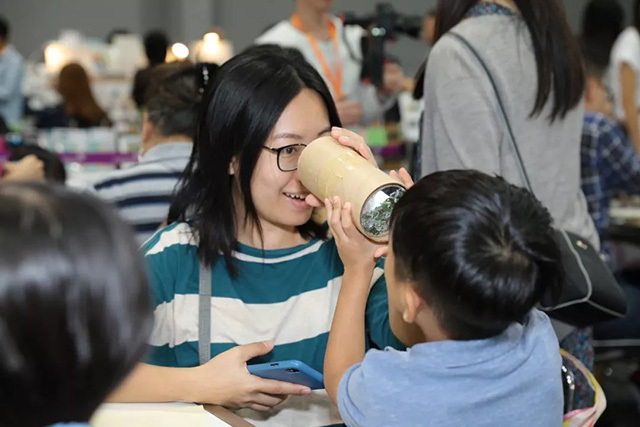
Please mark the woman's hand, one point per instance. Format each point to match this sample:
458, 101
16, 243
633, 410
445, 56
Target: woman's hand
225, 380
355, 142
402, 176
356, 251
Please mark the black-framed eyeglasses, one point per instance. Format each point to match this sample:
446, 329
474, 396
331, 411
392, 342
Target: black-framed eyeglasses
287, 156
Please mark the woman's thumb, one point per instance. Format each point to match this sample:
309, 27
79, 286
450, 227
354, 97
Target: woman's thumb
249, 351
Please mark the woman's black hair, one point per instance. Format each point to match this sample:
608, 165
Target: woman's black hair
480, 251
54, 170
247, 97
559, 66
75, 307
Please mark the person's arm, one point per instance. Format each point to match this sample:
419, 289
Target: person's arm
621, 164
12, 80
223, 381
375, 102
346, 345
29, 168
628, 82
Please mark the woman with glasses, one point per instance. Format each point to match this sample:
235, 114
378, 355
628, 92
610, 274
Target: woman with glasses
275, 275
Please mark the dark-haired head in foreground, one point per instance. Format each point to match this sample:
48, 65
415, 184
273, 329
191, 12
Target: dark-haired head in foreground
75, 310
476, 250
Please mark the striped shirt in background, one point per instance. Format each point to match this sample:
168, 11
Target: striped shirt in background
142, 193
287, 296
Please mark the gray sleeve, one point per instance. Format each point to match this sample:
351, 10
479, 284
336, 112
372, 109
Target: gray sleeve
462, 128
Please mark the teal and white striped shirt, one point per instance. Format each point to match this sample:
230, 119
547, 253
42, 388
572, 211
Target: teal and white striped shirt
288, 296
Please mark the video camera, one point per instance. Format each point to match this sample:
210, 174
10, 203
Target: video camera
384, 25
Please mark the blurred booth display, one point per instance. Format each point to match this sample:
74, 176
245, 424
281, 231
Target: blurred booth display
90, 153
410, 114
111, 68
126, 55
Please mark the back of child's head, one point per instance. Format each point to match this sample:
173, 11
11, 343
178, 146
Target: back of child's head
480, 251
75, 310
54, 171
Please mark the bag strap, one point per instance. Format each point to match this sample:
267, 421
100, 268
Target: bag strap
516, 150
204, 315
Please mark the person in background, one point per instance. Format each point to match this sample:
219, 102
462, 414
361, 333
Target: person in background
156, 44
54, 171
610, 165
336, 52
242, 211
142, 193
79, 108
469, 258
74, 306
429, 28
429, 37
535, 60
625, 78
11, 75
602, 23
609, 162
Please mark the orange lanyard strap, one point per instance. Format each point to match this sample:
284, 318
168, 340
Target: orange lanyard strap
334, 78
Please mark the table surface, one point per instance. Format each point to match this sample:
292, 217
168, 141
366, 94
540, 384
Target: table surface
165, 414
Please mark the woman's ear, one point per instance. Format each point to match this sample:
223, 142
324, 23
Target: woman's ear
233, 166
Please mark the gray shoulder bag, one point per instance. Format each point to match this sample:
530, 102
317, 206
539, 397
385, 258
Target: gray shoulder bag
204, 314
590, 293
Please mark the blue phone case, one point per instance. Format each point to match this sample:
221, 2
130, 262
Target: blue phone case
291, 371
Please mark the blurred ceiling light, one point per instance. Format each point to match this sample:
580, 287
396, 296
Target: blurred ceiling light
212, 38
213, 49
180, 51
56, 56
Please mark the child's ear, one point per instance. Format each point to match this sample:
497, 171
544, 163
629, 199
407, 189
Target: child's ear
413, 304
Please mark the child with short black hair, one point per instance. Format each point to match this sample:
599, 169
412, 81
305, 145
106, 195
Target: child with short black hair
470, 255
75, 310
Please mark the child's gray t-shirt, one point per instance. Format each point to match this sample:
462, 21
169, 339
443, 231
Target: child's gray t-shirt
511, 380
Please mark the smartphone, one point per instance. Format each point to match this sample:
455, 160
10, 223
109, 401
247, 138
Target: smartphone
291, 371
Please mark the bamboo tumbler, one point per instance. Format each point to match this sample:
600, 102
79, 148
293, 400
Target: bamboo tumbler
328, 169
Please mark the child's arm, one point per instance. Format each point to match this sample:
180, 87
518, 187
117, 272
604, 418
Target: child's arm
346, 345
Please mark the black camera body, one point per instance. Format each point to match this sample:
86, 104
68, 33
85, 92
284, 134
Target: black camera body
384, 25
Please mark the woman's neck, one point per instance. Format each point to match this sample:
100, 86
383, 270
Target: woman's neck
314, 21
272, 237
509, 4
